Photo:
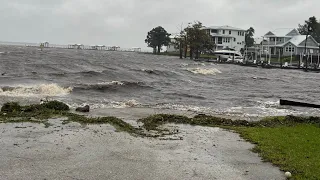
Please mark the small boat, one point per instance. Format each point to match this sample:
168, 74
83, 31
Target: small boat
227, 54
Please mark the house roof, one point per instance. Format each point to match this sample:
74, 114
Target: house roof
296, 40
224, 27
282, 32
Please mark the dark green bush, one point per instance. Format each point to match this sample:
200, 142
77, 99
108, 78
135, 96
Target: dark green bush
56, 105
10, 107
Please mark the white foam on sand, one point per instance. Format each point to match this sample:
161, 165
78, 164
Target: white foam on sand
36, 90
204, 71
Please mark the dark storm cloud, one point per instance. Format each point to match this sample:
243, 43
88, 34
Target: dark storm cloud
126, 22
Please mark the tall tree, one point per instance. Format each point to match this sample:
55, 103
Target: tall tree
179, 41
197, 39
157, 38
314, 24
249, 37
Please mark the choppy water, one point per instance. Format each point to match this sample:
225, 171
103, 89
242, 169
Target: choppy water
106, 79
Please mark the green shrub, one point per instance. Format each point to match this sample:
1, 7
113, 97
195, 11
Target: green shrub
10, 107
56, 105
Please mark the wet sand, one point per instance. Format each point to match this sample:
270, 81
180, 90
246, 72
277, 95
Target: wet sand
31, 151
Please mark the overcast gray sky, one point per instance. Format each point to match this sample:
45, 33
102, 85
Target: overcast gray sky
126, 22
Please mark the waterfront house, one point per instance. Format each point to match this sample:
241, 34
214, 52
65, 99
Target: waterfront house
172, 47
227, 37
221, 36
287, 42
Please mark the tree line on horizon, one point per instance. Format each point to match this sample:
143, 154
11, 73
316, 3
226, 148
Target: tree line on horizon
195, 40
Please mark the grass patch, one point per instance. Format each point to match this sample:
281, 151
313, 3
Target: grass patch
153, 122
292, 148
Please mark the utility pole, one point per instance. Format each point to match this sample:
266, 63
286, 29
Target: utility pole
180, 47
179, 39
185, 46
305, 52
318, 57
305, 47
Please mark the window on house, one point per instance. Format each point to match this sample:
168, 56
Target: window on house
238, 33
223, 31
229, 32
219, 40
234, 39
289, 49
214, 31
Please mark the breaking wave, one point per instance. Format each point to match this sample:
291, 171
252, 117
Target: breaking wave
159, 72
125, 104
204, 71
113, 85
114, 104
36, 90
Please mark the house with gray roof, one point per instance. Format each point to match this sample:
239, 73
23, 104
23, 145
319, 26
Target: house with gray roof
288, 42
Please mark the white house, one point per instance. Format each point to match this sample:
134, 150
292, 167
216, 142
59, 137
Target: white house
172, 47
227, 37
222, 36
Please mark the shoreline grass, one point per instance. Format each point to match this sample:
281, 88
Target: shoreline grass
289, 142
294, 149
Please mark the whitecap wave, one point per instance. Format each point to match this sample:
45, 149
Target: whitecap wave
204, 71
180, 107
125, 104
112, 83
36, 90
113, 104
